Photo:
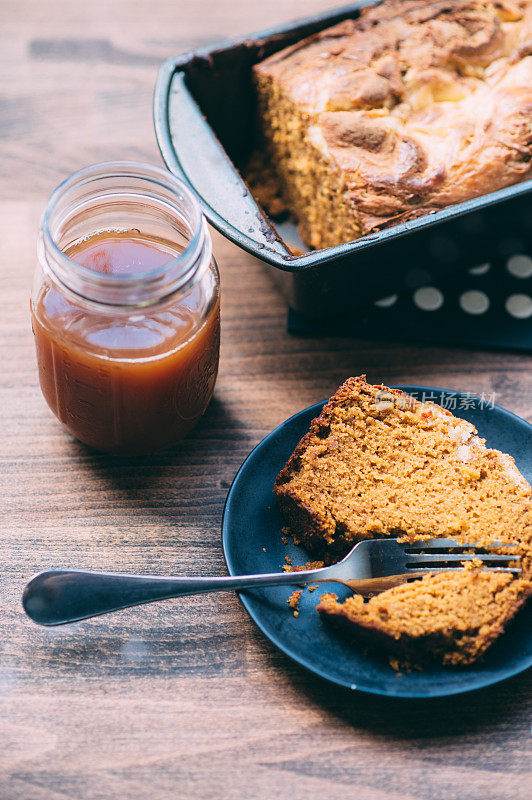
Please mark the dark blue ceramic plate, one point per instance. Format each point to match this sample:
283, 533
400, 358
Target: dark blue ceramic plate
252, 543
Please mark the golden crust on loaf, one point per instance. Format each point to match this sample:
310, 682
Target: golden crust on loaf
414, 105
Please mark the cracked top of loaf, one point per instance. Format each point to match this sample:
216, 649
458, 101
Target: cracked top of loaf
420, 104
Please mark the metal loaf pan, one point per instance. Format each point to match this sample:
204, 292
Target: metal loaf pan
204, 114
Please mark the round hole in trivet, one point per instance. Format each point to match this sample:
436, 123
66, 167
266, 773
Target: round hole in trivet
482, 269
474, 302
386, 302
519, 306
520, 266
428, 298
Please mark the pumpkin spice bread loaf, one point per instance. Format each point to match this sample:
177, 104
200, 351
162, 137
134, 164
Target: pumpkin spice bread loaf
412, 106
378, 463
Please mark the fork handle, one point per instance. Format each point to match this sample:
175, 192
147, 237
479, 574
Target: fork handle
59, 596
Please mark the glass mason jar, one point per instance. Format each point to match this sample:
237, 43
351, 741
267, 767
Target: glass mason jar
125, 308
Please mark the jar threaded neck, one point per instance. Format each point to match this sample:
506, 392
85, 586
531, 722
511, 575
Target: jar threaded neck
120, 196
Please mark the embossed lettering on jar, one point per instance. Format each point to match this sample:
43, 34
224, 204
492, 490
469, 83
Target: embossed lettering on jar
125, 308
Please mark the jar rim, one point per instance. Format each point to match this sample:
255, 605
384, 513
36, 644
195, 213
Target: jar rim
135, 288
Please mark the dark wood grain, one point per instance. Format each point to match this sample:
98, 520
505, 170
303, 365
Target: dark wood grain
186, 699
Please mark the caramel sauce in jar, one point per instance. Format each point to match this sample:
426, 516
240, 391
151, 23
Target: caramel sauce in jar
127, 319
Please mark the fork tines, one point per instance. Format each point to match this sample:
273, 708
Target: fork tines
445, 554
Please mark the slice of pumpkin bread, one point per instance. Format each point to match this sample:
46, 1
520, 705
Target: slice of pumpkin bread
378, 463
451, 617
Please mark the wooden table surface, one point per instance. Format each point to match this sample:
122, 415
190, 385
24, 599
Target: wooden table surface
186, 699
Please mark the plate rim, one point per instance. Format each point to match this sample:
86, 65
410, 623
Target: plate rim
294, 655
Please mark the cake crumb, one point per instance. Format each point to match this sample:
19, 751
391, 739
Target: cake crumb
293, 601
288, 560
313, 588
263, 549
401, 666
301, 567
473, 564
284, 540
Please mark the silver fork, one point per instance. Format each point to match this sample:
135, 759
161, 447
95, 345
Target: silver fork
59, 596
